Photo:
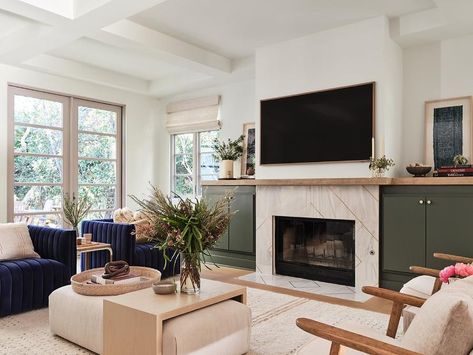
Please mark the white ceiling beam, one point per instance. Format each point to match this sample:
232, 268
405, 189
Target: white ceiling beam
69, 31
75, 70
164, 47
32, 12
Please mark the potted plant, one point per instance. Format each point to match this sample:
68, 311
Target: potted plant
459, 160
189, 228
227, 152
75, 209
380, 165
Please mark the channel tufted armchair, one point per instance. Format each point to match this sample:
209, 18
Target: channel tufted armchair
25, 284
122, 239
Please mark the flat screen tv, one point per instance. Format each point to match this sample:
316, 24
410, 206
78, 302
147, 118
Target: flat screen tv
324, 126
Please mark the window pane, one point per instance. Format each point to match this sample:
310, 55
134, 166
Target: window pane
50, 220
184, 164
99, 215
183, 144
101, 197
38, 169
38, 140
37, 111
206, 141
208, 165
96, 120
96, 146
96, 172
38, 198
184, 185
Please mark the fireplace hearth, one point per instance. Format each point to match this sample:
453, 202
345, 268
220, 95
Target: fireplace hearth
316, 249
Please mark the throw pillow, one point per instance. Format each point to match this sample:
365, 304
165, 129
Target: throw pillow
15, 242
444, 325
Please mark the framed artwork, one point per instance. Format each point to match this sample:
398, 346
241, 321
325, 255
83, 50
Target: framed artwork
448, 130
249, 149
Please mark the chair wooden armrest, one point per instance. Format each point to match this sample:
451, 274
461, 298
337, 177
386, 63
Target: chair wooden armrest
394, 296
425, 271
399, 301
340, 337
454, 258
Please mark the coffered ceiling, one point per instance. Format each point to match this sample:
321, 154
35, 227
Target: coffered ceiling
163, 47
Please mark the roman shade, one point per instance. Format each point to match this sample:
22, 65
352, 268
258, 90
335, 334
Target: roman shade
195, 115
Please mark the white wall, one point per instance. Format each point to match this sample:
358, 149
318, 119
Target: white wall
439, 70
237, 107
140, 125
358, 53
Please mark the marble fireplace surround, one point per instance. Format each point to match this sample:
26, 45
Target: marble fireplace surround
359, 203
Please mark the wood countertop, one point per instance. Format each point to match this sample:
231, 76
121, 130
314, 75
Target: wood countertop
344, 181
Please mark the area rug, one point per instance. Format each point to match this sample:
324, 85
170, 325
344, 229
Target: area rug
274, 326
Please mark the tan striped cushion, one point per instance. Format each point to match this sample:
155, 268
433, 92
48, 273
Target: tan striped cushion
15, 242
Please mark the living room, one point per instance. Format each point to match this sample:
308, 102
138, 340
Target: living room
228, 177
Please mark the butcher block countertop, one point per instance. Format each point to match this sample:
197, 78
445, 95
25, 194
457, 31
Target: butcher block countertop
343, 181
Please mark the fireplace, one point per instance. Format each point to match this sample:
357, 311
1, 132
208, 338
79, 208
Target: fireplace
316, 249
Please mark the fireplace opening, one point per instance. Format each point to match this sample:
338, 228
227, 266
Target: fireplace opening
316, 249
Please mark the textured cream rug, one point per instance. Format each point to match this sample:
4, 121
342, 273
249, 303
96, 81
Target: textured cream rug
274, 330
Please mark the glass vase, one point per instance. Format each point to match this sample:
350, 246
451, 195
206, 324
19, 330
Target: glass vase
378, 173
190, 273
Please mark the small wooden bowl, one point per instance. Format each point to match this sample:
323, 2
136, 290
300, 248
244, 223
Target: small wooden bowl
164, 287
418, 171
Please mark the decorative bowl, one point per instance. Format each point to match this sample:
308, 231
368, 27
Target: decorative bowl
164, 287
418, 171
82, 285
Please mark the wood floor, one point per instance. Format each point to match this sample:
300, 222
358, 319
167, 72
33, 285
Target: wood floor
230, 275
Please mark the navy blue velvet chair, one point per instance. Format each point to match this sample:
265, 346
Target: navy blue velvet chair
25, 284
123, 241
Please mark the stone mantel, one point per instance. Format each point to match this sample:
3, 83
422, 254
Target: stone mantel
344, 181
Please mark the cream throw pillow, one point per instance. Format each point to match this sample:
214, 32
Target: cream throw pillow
443, 326
15, 242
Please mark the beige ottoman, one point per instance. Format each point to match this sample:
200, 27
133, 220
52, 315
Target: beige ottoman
77, 318
223, 328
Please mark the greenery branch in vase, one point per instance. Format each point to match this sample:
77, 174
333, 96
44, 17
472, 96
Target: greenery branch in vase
227, 152
189, 227
75, 209
380, 165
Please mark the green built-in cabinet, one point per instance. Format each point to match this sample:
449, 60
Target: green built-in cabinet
417, 221
237, 246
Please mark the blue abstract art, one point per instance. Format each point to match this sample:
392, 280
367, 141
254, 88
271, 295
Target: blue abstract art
447, 134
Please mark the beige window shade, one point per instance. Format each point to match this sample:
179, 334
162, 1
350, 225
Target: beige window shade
195, 115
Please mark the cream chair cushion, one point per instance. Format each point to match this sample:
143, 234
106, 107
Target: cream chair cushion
444, 324
419, 286
15, 242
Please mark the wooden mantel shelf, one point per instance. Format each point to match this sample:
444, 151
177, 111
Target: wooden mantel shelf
344, 181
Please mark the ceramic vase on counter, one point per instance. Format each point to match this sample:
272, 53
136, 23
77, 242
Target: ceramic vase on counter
226, 169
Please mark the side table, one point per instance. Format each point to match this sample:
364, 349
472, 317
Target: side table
91, 247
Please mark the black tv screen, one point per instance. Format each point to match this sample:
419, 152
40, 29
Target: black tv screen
323, 126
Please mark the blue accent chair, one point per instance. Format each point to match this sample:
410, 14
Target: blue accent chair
123, 241
25, 284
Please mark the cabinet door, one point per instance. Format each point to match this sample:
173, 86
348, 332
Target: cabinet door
403, 233
213, 194
242, 228
449, 227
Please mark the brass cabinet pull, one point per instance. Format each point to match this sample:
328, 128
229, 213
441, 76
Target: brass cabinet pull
421, 202
429, 202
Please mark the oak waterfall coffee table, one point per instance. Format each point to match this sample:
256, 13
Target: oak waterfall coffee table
137, 322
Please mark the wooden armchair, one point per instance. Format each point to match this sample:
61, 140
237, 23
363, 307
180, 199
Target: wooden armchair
435, 273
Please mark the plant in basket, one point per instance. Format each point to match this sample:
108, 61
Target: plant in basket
189, 227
